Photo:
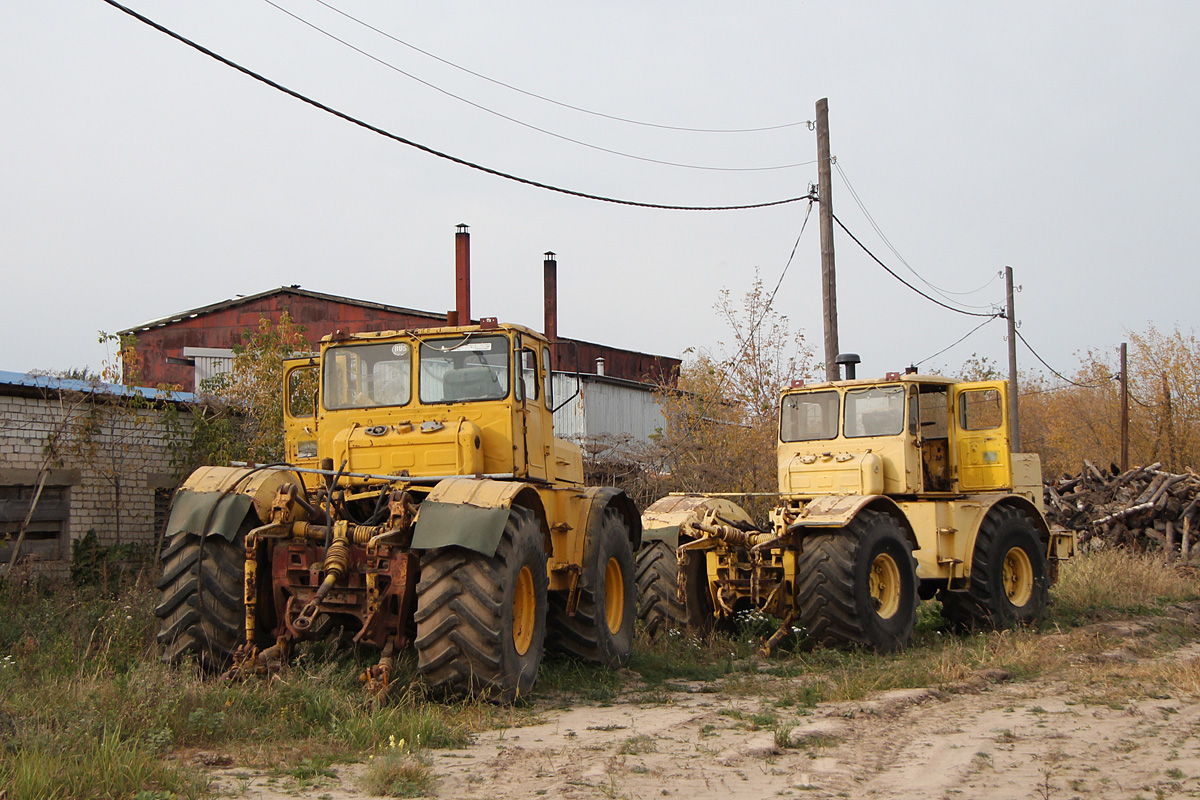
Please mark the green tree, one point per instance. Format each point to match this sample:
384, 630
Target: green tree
241, 415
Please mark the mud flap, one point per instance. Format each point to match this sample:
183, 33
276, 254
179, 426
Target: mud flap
472, 527
471, 513
207, 513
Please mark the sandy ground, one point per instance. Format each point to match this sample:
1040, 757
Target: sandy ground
991, 738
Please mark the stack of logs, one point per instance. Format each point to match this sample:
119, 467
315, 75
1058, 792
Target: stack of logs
1144, 508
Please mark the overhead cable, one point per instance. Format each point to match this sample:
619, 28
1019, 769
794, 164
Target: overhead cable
1059, 374
424, 148
516, 121
897, 277
959, 341
943, 292
551, 100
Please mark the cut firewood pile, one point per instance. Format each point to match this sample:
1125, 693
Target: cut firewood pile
1145, 507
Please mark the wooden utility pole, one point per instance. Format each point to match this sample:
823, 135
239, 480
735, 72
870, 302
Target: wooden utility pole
1014, 418
828, 282
1124, 407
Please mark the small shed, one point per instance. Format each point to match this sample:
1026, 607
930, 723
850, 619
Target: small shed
80, 457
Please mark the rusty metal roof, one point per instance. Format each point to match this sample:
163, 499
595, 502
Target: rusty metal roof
292, 290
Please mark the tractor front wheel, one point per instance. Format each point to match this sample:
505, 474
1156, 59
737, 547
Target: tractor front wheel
202, 606
858, 585
481, 620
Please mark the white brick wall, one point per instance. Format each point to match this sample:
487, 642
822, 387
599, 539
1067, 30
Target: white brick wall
124, 446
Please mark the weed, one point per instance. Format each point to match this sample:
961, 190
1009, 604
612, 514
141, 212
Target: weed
783, 736
400, 774
638, 745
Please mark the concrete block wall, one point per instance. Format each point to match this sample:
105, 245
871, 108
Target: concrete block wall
123, 446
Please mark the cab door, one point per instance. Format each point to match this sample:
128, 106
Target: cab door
300, 377
982, 453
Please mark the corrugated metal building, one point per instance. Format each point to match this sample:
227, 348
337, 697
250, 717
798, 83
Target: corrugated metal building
591, 406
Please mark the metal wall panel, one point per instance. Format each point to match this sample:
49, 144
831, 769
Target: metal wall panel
605, 407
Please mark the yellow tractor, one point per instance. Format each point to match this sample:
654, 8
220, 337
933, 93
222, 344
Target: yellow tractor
425, 503
890, 490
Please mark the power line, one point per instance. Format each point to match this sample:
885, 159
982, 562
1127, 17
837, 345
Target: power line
897, 277
959, 341
516, 121
735, 362
1056, 372
424, 148
551, 100
943, 292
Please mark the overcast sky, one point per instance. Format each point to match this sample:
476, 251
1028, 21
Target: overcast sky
141, 178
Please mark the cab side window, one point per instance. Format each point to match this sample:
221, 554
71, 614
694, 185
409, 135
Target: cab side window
529, 373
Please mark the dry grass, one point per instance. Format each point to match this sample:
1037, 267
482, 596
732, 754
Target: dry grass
1119, 580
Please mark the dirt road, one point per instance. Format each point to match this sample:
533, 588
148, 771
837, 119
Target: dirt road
989, 737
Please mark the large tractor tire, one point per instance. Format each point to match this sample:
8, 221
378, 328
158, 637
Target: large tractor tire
858, 585
1010, 584
481, 620
202, 607
659, 608
601, 630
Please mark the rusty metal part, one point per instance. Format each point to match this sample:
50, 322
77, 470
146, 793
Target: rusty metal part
335, 566
249, 661
785, 630
379, 676
730, 535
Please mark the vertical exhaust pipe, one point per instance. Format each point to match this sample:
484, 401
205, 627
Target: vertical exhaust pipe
550, 285
850, 361
462, 274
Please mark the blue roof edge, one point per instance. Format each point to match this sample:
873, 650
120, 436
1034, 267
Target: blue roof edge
53, 383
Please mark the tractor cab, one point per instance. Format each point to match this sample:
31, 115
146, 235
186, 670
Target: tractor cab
906, 435
469, 400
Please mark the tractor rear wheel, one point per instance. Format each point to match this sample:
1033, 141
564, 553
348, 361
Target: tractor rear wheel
659, 608
1009, 580
202, 606
481, 620
857, 587
601, 630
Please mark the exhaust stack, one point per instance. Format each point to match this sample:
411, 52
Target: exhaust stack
462, 274
550, 284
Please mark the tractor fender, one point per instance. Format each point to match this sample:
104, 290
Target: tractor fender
986, 502
836, 511
600, 498
471, 513
215, 500
662, 520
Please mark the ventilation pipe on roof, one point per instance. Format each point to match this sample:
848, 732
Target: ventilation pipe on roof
462, 274
600, 365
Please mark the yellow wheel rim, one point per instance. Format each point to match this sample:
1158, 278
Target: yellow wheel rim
1018, 577
614, 595
885, 585
524, 611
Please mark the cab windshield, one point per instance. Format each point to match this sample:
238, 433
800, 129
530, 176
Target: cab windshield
463, 369
367, 375
809, 417
877, 411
